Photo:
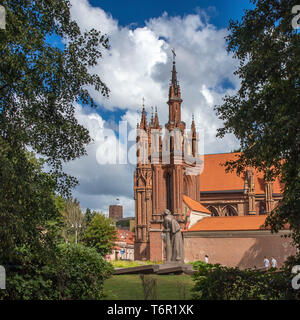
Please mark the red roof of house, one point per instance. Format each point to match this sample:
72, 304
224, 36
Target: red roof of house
195, 205
125, 236
215, 178
234, 223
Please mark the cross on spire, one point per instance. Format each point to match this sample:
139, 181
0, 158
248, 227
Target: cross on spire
174, 54
174, 81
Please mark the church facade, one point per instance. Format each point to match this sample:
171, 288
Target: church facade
167, 168
170, 173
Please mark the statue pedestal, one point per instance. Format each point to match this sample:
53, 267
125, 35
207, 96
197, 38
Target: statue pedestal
166, 268
174, 267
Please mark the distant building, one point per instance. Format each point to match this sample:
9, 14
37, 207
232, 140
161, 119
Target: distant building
116, 212
124, 246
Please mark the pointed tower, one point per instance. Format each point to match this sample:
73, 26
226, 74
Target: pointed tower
156, 121
174, 101
160, 184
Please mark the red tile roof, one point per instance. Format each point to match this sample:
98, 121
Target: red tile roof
234, 223
195, 205
125, 236
215, 178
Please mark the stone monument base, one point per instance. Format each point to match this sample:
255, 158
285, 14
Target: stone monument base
170, 267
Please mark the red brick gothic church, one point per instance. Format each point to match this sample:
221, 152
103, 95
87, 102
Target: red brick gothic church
168, 175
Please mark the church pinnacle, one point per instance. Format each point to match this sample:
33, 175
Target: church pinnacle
143, 124
174, 100
174, 86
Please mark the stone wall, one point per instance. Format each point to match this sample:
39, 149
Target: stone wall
243, 249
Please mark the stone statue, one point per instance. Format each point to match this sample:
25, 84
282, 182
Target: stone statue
173, 238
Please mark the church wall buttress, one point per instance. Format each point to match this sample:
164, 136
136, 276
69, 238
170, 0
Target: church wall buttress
269, 197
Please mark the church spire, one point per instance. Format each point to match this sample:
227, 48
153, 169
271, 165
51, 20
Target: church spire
175, 100
143, 124
156, 121
174, 87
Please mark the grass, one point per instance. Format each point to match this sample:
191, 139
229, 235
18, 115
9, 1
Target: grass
129, 287
129, 264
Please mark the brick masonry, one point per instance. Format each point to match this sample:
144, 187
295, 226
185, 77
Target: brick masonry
238, 249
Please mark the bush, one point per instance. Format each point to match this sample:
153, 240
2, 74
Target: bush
81, 272
77, 272
214, 282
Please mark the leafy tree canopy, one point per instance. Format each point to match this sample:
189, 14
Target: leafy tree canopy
89, 214
39, 82
100, 234
264, 114
27, 202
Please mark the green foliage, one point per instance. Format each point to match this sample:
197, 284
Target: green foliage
123, 223
100, 234
214, 282
89, 214
40, 82
27, 202
39, 85
201, 265
76, 272
28, 275
81, 272
264, 114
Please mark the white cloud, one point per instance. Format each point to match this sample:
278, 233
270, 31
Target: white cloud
139, 65
101, 178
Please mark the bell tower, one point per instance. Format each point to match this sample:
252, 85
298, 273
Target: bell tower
163, 173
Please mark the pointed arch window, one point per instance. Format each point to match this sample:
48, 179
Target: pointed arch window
169, 191
214, 211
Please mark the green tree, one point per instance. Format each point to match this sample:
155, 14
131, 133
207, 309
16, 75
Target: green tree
27, 203
100, 234
264, 114
74, 220
39, 82
89, 214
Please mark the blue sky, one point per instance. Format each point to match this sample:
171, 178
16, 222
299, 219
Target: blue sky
138, 65
136, 11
